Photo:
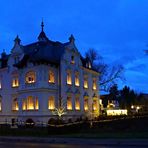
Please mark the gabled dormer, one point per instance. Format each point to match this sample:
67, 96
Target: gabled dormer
17, 48
71, 44
16, 52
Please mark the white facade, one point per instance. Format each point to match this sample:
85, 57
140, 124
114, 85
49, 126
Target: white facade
31, 87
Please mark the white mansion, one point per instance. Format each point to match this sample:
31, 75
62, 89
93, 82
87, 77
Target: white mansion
34, 78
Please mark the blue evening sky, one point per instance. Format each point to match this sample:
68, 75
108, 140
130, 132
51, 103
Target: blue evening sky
117, 29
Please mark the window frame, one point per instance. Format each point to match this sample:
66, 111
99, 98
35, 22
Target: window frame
32, 76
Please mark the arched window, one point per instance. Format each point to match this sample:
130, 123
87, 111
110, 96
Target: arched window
94, 84
77, 82
51, 77
69, 103
15, 106
51, 103
72, 59
77, 103
69, 79
0, 103
15, 81
85, 83
30, 77
85, 104
94, 105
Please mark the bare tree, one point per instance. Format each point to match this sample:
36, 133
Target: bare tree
61, 109
108, 74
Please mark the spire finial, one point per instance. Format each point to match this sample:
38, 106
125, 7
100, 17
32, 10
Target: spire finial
71, 39
42, 25
17, 40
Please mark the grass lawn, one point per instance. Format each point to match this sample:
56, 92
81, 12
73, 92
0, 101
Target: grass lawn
122, 128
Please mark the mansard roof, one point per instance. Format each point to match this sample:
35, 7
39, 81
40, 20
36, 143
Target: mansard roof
42, 51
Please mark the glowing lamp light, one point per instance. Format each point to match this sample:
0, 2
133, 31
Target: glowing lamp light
69, 107
94, 108
77, 108
138, 107
132, 107
86, 108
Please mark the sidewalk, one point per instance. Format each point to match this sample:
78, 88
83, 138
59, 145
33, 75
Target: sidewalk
80, 141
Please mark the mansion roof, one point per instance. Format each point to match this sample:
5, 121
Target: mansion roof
44, 50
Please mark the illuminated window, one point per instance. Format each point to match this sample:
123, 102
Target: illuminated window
72, 60
36, 103
77, 83
89, 65
85, 83
69, 103
15, 82
24, 104
15, 106
86, 104
30, 77
51, 77
51, 103
94, 84
30, 104
0, 103
94, 105
77, 104
0, 84
69, 79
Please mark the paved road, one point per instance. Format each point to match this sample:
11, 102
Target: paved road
45, 145
32, 142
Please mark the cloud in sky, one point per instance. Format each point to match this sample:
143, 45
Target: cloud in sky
116, 28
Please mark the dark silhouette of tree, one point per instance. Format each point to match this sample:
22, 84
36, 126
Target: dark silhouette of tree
127, 97
113, 92
108, 74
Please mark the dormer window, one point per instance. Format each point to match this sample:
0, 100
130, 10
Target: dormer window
51, 77
89, 65
30, 77
15, 82
72, 60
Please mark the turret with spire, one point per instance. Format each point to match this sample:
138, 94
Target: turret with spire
17, 40
42, 36
71, 39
